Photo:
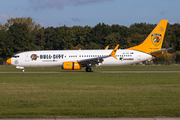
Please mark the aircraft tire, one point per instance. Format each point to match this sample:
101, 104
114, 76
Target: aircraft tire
88, 69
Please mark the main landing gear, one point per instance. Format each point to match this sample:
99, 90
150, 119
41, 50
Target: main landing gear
88, 69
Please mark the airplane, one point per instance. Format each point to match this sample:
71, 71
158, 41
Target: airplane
76, 59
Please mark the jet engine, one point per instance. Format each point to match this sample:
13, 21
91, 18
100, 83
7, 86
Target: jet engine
71, 66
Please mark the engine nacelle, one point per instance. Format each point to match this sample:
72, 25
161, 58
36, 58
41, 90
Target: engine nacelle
71, 66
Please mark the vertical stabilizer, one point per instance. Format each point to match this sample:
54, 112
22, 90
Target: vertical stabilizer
155, 39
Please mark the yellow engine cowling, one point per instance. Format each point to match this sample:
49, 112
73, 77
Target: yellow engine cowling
71, 66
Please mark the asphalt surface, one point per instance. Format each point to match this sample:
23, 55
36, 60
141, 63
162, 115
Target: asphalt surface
155, 118
96, 72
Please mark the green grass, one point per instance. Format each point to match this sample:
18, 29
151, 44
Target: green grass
89, 95
10, 68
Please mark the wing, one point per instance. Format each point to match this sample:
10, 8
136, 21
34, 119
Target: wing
93, 61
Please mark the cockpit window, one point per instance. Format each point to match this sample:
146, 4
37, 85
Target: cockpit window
16, 56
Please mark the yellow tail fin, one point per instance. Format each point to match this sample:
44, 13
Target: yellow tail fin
155, 39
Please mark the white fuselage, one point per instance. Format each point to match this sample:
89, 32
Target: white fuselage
52, 58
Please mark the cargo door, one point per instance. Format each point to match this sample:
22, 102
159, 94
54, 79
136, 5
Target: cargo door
139, 56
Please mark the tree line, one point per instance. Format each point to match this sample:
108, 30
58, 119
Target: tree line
23, 34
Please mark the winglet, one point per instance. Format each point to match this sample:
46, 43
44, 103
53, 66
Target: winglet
107, 47
114, 52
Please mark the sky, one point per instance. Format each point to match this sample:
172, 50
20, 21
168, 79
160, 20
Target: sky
58, 13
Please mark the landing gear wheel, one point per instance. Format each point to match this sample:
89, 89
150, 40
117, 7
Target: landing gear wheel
88, 69
23, 70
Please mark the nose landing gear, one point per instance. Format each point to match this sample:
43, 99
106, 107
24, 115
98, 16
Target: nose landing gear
23, 70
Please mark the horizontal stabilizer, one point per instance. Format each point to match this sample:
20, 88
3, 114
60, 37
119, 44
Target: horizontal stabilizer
159, 51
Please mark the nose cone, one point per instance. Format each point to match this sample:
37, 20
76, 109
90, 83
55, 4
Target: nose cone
8, 61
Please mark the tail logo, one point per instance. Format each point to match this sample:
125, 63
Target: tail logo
156, 39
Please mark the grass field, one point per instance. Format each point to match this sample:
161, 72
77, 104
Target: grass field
89, 94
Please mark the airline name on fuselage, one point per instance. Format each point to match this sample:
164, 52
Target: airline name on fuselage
121, 58
54, 56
